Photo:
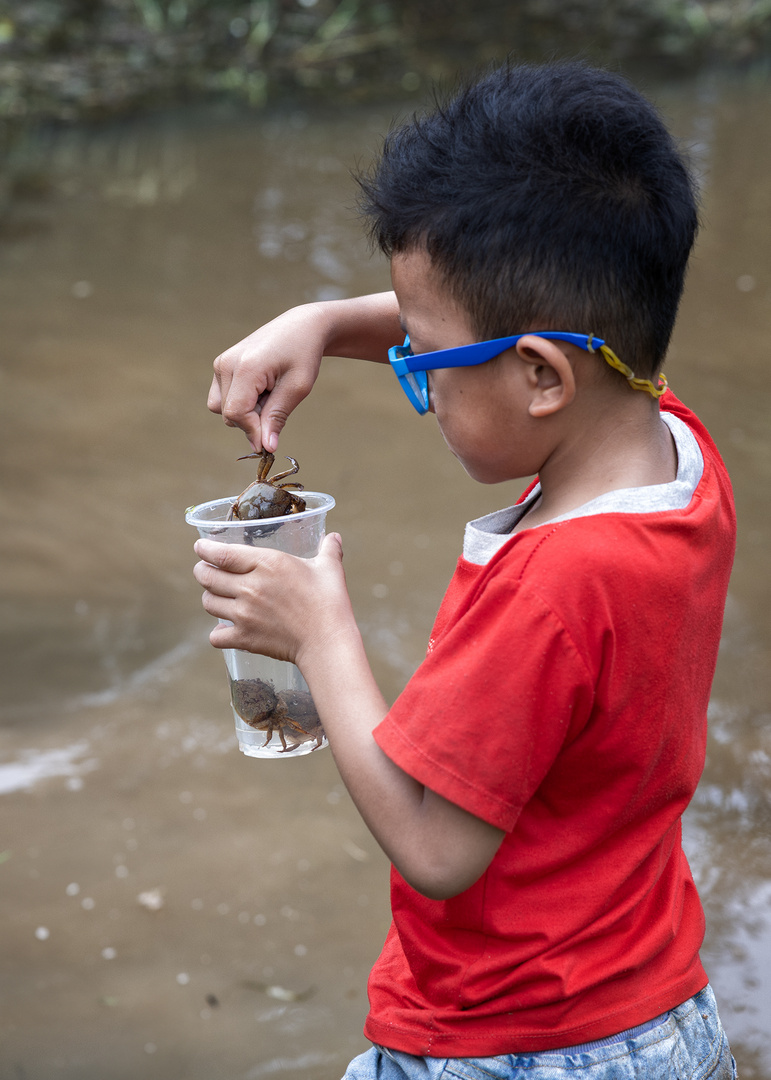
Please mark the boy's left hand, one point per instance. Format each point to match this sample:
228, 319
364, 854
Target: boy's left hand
279, 605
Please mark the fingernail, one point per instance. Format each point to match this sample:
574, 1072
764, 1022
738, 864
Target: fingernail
272, 441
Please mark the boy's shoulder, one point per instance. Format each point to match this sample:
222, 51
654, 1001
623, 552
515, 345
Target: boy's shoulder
699, 495
671, 404
643, 537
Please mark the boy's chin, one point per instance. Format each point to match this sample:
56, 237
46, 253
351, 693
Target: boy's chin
484, 473
492, 469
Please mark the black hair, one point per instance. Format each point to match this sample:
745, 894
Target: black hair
548, 197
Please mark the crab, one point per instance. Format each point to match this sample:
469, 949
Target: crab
301, 721
291, 713
267, 498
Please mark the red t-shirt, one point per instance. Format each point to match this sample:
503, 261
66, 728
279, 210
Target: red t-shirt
563, 699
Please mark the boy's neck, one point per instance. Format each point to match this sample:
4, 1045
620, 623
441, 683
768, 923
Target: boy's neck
636, 450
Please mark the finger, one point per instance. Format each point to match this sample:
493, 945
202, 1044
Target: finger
215, 581
251, 427
242, 405
218, 391
220, 387
221, 607
237, 558
224, 637
214, 400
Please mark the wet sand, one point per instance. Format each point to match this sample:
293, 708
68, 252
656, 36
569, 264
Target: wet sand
171, 908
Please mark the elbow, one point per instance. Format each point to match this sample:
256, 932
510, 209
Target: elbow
438, 882
445, 851
441, 890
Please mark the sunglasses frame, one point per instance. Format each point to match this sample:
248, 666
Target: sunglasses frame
411, 369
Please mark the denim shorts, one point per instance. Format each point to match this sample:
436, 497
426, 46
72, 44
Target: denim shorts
688, 1044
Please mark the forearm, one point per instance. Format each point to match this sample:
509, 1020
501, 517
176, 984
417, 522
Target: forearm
438, 848
363, 327
351, 706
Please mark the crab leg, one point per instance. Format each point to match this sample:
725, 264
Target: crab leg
266, 463
287, 472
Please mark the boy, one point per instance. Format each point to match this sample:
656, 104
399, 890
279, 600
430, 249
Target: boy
528, 783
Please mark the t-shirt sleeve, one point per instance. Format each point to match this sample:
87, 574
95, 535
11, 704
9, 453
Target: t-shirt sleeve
483, 718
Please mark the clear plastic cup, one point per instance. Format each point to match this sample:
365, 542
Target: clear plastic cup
272, 705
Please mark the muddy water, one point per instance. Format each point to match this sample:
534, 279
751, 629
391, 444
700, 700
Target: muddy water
169, 908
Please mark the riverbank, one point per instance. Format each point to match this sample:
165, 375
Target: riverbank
91, 59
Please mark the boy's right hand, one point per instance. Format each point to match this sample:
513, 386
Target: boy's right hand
259, 381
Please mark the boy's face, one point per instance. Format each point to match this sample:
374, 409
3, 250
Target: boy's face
482, 411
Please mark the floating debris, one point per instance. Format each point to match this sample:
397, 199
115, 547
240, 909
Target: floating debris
357, 853
280, 993
152, 899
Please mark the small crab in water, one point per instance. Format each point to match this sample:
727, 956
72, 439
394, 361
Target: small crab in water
289, 713
265, 498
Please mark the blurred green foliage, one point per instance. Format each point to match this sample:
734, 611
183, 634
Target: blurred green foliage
75, 58
78, 57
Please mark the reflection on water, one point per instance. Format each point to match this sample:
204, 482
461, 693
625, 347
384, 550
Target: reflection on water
147, 249
34, 766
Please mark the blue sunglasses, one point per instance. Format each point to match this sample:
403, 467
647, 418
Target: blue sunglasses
411, 370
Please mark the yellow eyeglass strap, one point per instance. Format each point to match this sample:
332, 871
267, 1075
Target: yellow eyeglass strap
636, 384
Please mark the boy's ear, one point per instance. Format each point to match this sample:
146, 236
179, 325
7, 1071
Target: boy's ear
549, 374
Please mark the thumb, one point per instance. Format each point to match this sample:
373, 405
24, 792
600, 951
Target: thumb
277, 406
271, 426
332, 547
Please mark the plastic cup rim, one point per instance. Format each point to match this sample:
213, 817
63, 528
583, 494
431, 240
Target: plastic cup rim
193, 513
